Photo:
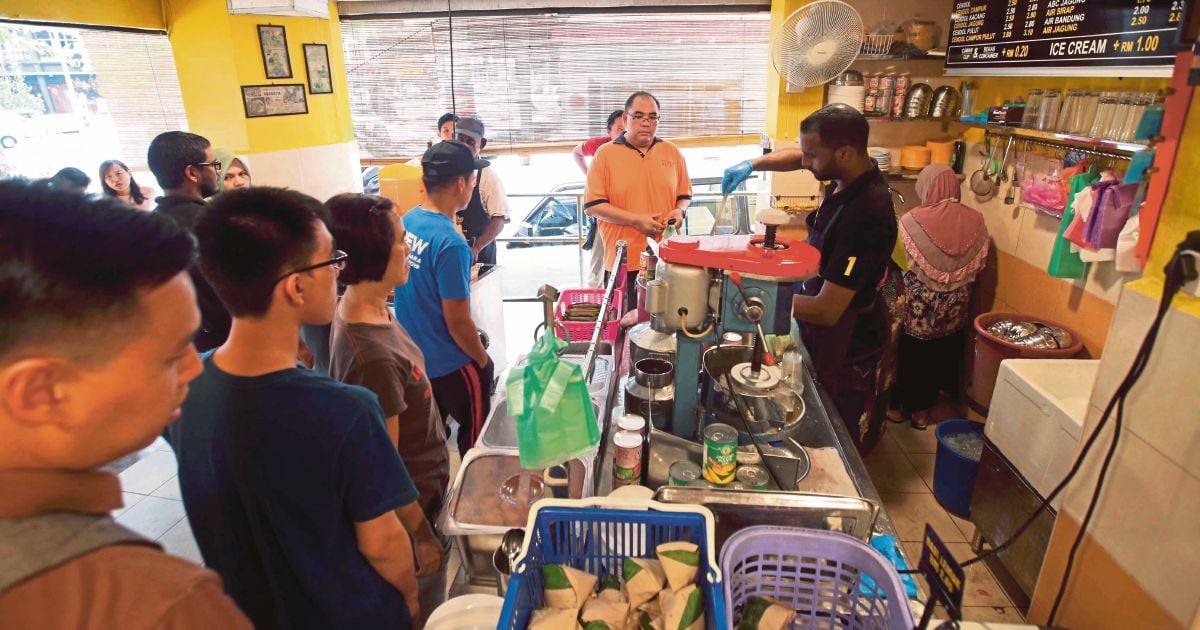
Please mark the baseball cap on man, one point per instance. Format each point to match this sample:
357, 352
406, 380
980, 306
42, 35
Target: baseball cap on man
448, 159
470, 126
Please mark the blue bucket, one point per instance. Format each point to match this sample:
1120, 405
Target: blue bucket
953, 472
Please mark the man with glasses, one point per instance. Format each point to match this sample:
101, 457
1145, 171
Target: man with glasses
289, 478
487, 212
186, 170
434, 306
635, 185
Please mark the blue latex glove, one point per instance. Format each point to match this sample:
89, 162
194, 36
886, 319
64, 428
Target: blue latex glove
734, 176
887, 546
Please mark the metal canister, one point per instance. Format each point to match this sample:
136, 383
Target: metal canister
887, 82
748, 458
633, 423
720, 453
753, 477
902, 82
627, 458
683, 472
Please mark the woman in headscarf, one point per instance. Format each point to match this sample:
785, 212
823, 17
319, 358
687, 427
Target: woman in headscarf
234, 173
946, 244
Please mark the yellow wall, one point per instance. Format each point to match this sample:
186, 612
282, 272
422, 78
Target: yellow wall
1180, 213
217, 53
785, 111
147, 14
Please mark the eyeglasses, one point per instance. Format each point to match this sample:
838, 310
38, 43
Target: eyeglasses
639, 117
338, 262
216, 164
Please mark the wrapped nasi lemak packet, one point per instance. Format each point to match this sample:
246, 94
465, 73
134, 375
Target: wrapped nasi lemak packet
610, 589
604, 614
680, 563
566, 587
643, 580
764, 613
554, 619
682, 609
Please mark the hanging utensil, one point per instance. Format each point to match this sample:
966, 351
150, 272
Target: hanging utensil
1004, 161
981, 180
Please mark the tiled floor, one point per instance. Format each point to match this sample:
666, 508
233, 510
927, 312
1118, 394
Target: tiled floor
153, 507
902, 469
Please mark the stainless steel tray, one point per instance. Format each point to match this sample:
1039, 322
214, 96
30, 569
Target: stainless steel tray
736, 509
791, 466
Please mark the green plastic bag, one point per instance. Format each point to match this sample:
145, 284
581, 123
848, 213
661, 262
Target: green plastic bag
554, 414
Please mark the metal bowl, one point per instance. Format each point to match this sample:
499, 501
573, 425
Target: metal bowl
917, 103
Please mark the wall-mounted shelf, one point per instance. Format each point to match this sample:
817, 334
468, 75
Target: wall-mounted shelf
1066, 140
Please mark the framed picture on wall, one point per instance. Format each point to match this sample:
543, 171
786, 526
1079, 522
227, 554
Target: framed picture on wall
316, 61
273, 42
261, 101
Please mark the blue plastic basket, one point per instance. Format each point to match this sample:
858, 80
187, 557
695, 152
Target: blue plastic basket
818, 573
598, 540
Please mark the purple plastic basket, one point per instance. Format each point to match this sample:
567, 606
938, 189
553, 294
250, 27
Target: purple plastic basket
818, 573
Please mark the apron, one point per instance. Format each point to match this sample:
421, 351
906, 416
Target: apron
845, 355
475, 220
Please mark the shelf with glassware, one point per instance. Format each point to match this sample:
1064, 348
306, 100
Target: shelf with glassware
1065, 140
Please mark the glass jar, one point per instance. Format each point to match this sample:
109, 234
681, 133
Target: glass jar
1105, 111
1067, 113
1033, 108
1139, 103
1048, 113
1120, 114
1087, 113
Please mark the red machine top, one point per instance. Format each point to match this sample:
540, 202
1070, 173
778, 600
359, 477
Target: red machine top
744, 253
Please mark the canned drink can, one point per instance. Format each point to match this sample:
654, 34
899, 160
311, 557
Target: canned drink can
683, 472
898, 103
902, 82
627, 459
748, 457
872, 82
753, 477
887, 82
720, 453
633, 423
869, 104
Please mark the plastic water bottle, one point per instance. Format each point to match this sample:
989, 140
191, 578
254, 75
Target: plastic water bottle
792, 366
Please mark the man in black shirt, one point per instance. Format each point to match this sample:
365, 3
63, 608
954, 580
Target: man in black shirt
843, 320
184, 165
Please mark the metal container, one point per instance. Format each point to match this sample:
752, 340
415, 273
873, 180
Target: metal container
650, 392
944, 102
849, 77
647, 343
633, 423
684, 472
720, 453
774, 407
791, 464
477, 515
753, 477
916, 104
733, 510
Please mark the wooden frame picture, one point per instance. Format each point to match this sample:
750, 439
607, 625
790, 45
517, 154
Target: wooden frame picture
273, 42
316, 64
261, 101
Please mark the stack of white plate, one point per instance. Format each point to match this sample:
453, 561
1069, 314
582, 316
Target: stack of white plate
852, 95
882, 157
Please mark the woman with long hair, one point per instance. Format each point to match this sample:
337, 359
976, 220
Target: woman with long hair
117, 181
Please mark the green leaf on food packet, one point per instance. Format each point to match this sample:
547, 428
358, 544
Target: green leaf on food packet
555, 578
690, 558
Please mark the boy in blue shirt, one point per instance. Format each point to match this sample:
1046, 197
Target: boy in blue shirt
289, 479
435, 305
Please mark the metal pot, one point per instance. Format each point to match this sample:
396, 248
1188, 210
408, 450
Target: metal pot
774, 408
849, 77
917, 103
944, 102
650, 392
647, 343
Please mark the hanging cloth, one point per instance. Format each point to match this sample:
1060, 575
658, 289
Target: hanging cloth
1110, 211
1065, 263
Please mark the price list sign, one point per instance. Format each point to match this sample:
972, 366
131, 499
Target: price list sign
1030, 36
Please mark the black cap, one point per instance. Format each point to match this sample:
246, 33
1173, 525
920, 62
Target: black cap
448, 159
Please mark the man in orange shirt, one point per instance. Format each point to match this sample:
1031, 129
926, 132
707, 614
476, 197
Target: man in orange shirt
96, 354
636, 184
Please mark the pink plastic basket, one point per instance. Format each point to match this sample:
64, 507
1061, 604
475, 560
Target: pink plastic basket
832, 580
582, 331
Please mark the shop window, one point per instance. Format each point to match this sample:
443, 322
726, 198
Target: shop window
79, 96
537, 79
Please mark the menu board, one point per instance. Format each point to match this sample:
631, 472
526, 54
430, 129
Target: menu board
1030, 36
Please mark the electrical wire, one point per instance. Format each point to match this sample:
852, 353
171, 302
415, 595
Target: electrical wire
741, 415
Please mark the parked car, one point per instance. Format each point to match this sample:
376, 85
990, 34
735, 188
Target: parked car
557, 214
